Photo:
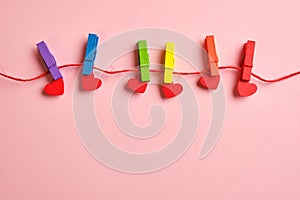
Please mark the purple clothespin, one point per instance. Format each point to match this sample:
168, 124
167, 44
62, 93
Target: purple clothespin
49, 60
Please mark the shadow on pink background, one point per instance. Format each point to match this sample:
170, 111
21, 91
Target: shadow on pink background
257, 157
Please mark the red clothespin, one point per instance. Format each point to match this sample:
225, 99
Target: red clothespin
244, 87
212, 79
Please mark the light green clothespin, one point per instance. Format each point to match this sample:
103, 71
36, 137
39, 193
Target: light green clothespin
144, 60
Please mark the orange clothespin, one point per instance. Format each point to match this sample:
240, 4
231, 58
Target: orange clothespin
244, 87
212, 79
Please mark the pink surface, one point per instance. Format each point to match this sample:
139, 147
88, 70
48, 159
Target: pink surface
257, 157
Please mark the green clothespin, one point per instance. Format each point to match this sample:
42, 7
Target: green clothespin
144, 60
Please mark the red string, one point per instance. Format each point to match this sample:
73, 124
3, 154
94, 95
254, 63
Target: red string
37, 77
152, 70
263, 79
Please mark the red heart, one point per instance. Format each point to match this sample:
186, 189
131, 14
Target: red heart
209, 82
88, 82
136, 85
171, 90
55, 88
245, 88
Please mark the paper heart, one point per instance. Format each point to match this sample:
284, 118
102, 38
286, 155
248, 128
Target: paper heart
171, 90
245, 88
89, 83
136, 85
55, 88
209, 82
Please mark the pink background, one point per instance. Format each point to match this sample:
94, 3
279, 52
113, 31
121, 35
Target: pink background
257, 157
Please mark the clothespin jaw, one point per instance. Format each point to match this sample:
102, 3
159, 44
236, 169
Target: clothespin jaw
244, 87
90, 54
49, 60
144, 60
169, 62
212, 55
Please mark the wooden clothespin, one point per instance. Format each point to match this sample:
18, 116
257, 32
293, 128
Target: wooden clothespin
212, 79
244, 87
136, 84
56, 87
90, 54
212, 55
169, 89
169, 62
144, 60
88, 82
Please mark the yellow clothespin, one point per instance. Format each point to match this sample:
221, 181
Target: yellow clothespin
169, 62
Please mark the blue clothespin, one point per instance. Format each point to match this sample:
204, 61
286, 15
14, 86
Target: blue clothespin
90, 54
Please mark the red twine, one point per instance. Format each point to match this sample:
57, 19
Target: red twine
152, 70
